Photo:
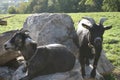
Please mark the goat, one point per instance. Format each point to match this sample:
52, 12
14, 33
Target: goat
41, 60
90, 37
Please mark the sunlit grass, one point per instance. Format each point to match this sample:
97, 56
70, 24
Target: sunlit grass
15, 22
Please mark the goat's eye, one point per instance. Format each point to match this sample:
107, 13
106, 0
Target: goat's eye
18, 40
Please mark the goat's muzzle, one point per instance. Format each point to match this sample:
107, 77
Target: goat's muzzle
98, 41
8, 46
5, 47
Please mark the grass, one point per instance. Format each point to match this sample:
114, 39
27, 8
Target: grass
15, 22
111, 42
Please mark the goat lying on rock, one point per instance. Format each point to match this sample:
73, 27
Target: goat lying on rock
41, 60
90, 42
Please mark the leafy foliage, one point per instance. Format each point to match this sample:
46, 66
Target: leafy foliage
68, 6
110, 5
12, 10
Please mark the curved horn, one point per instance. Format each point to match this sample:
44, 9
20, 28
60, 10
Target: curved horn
102, 20
24, 31
90, 19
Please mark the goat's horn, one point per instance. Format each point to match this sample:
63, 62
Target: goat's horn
23, 31
90, 19
102, 20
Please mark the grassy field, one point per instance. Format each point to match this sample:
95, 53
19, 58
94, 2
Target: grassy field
111, 42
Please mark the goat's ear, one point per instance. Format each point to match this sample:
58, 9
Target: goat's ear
24, 31
107, 27
29, 41
34, 45
86, 26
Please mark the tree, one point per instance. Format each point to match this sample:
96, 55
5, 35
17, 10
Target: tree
118, 5
110, 5
69, 5
98, 4
53, 6
93, 5
37, 6
82, 6
12, 10
22, 7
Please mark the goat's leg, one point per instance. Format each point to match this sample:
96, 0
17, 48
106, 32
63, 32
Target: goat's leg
87, 61
25, 78
82, 62
28, 77
93, 73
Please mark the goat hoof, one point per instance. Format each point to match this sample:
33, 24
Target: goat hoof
25, 78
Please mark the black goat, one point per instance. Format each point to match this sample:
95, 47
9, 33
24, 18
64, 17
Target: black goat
41, 60
90, 42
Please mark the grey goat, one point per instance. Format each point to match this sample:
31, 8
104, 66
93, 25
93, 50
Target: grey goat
90, 42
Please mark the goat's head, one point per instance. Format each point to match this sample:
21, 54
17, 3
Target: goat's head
96, 30
18, 41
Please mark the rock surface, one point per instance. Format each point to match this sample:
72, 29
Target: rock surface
48, 28
74, 74
52, 28
5, 73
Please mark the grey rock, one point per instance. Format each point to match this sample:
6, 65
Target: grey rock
74, 74
104, 65
48, 28
5, 73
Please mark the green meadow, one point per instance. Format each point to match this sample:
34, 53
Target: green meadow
111, 43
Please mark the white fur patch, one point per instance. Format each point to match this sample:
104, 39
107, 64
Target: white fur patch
85, 21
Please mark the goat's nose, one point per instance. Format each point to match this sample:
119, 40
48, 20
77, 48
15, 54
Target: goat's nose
5, 46
98, 41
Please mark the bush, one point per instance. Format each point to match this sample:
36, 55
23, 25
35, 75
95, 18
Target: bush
12, 10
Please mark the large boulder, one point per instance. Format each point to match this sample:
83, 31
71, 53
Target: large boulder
51, 28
